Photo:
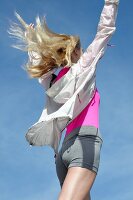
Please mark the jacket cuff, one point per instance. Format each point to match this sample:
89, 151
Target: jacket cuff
112, 1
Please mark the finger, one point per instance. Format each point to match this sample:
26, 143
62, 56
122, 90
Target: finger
31, 25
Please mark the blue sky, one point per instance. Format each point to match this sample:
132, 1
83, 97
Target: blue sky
28, 173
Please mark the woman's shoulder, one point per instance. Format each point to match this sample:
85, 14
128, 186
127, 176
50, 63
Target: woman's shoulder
62, 72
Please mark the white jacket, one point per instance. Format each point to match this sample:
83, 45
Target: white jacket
68, 96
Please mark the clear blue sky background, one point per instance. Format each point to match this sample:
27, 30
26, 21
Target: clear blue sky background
28, 173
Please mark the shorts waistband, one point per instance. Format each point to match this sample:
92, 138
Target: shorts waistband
84, 130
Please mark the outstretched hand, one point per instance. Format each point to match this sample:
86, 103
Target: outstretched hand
31, 25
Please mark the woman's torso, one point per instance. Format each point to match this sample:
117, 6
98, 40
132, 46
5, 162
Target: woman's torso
90, 114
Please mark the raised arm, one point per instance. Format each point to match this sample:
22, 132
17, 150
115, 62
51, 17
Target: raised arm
105, 30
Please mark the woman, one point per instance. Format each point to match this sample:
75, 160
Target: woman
72, 99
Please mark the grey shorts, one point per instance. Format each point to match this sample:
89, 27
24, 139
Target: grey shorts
81, 148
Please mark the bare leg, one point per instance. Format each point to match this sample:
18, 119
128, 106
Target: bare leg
88, 197
77, 184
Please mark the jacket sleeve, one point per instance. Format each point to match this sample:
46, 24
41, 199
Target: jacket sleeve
105, 30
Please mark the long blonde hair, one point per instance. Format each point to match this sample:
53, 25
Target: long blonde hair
53, 50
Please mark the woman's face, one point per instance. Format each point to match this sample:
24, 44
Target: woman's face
75, 56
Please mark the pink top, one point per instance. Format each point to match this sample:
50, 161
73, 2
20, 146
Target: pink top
89, 116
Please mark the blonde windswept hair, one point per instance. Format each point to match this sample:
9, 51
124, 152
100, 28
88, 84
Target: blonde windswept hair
53, 50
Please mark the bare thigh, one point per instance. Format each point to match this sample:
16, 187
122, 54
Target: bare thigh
77, 184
